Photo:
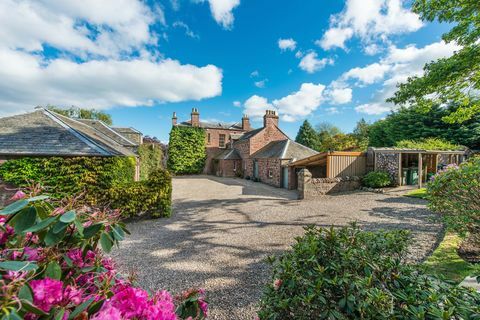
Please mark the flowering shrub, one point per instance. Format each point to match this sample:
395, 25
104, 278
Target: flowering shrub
352, 274
454, 192
52, 267
377, 179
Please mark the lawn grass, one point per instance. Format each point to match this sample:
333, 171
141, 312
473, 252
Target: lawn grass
418, 193
445, 261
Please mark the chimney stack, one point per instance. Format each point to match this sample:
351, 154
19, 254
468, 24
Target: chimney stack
195, 118
174, 119
270, 118
246, 123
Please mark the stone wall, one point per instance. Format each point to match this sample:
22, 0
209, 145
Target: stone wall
388, 162
269, 171
312, 188
228, 168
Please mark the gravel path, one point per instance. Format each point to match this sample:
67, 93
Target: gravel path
222, 229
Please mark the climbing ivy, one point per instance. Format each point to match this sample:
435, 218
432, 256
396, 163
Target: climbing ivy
186, 150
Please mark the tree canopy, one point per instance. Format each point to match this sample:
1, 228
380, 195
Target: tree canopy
454, 80
81, 113
307, 136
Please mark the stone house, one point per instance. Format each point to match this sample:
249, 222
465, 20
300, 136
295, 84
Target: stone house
261, 154
44, 133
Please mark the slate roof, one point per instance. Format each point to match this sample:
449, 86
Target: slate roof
284, 149
109, 132
250, 134
46, 133
228, 154
125, 130
214, 125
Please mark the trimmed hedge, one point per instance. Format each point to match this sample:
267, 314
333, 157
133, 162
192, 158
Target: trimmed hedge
186, 150
105, 182
352, 274
150, 159
377, 179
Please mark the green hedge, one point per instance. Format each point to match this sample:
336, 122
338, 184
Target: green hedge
352, 274
105, 181
186, 150
150, 159
377, 179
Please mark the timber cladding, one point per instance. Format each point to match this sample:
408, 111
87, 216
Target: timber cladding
348, 164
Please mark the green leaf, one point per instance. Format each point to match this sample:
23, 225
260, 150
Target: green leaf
52, 238
59, 315
68, 216
14, 207
25, 293
91, 230
41, 225
59, 227
53, 270
106, 242
80, 308
18, 265
118, 233
79, 227
37, 198
30, 307
12, 316
24, 219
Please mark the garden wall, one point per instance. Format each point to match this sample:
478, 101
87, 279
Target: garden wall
311, 188
388, 162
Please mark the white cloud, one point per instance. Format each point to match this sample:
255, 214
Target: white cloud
340, 95
370, 20
332, 110
237, 104
254, 74
186, 28
100, 84
287, 44
299, 104
396, 67
298, 54
104, 57
222, 11
310, 63
261, 83
255, 106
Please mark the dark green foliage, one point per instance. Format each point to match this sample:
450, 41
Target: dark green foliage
361, 134
69, 176
75, 112
428, 144
151, 156
377, 179
307, 136
416, 123
352, 274
152, 196
186, 150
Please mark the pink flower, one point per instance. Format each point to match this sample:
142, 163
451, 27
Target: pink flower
203, 306
58, 211
131, 302
5, 235
47, 293
277, 284
32, 254
76, 255
108, 312
18, 195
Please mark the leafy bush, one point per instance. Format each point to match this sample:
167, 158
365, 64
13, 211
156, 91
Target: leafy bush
52, 268
150, 159
455, 193
63, 177
377, 179
152, 196
186, 150
352, 274
428, 144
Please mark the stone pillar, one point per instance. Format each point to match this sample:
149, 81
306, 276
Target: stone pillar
304, 178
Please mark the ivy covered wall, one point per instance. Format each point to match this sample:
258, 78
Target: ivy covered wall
186, 150
151, 159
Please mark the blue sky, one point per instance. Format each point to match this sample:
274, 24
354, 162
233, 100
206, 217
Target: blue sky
333, 61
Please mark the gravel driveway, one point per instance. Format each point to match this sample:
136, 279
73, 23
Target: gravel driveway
222, 229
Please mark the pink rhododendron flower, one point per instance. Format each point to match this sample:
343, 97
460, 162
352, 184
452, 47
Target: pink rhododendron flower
108, 312
32, 254
5, 235
47, 293
18, 195
131, 302
76, 255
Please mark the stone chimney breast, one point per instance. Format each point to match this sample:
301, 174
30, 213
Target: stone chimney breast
195, 118
246, 123
174, 119
270, 118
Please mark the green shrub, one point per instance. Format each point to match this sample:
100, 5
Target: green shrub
428, 144
455, 193
152, 196
69, 176
377, 179
186, 150
352, 274
150, 159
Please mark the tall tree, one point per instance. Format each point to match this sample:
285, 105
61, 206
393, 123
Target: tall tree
360, 133
331, 138
453, 80
81, 113
307, 136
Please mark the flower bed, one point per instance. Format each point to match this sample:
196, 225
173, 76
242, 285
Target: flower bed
52, 267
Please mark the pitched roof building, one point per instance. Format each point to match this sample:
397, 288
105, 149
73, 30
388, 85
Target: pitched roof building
237, 149
46, 133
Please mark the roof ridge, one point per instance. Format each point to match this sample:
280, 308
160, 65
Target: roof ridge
54, 116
